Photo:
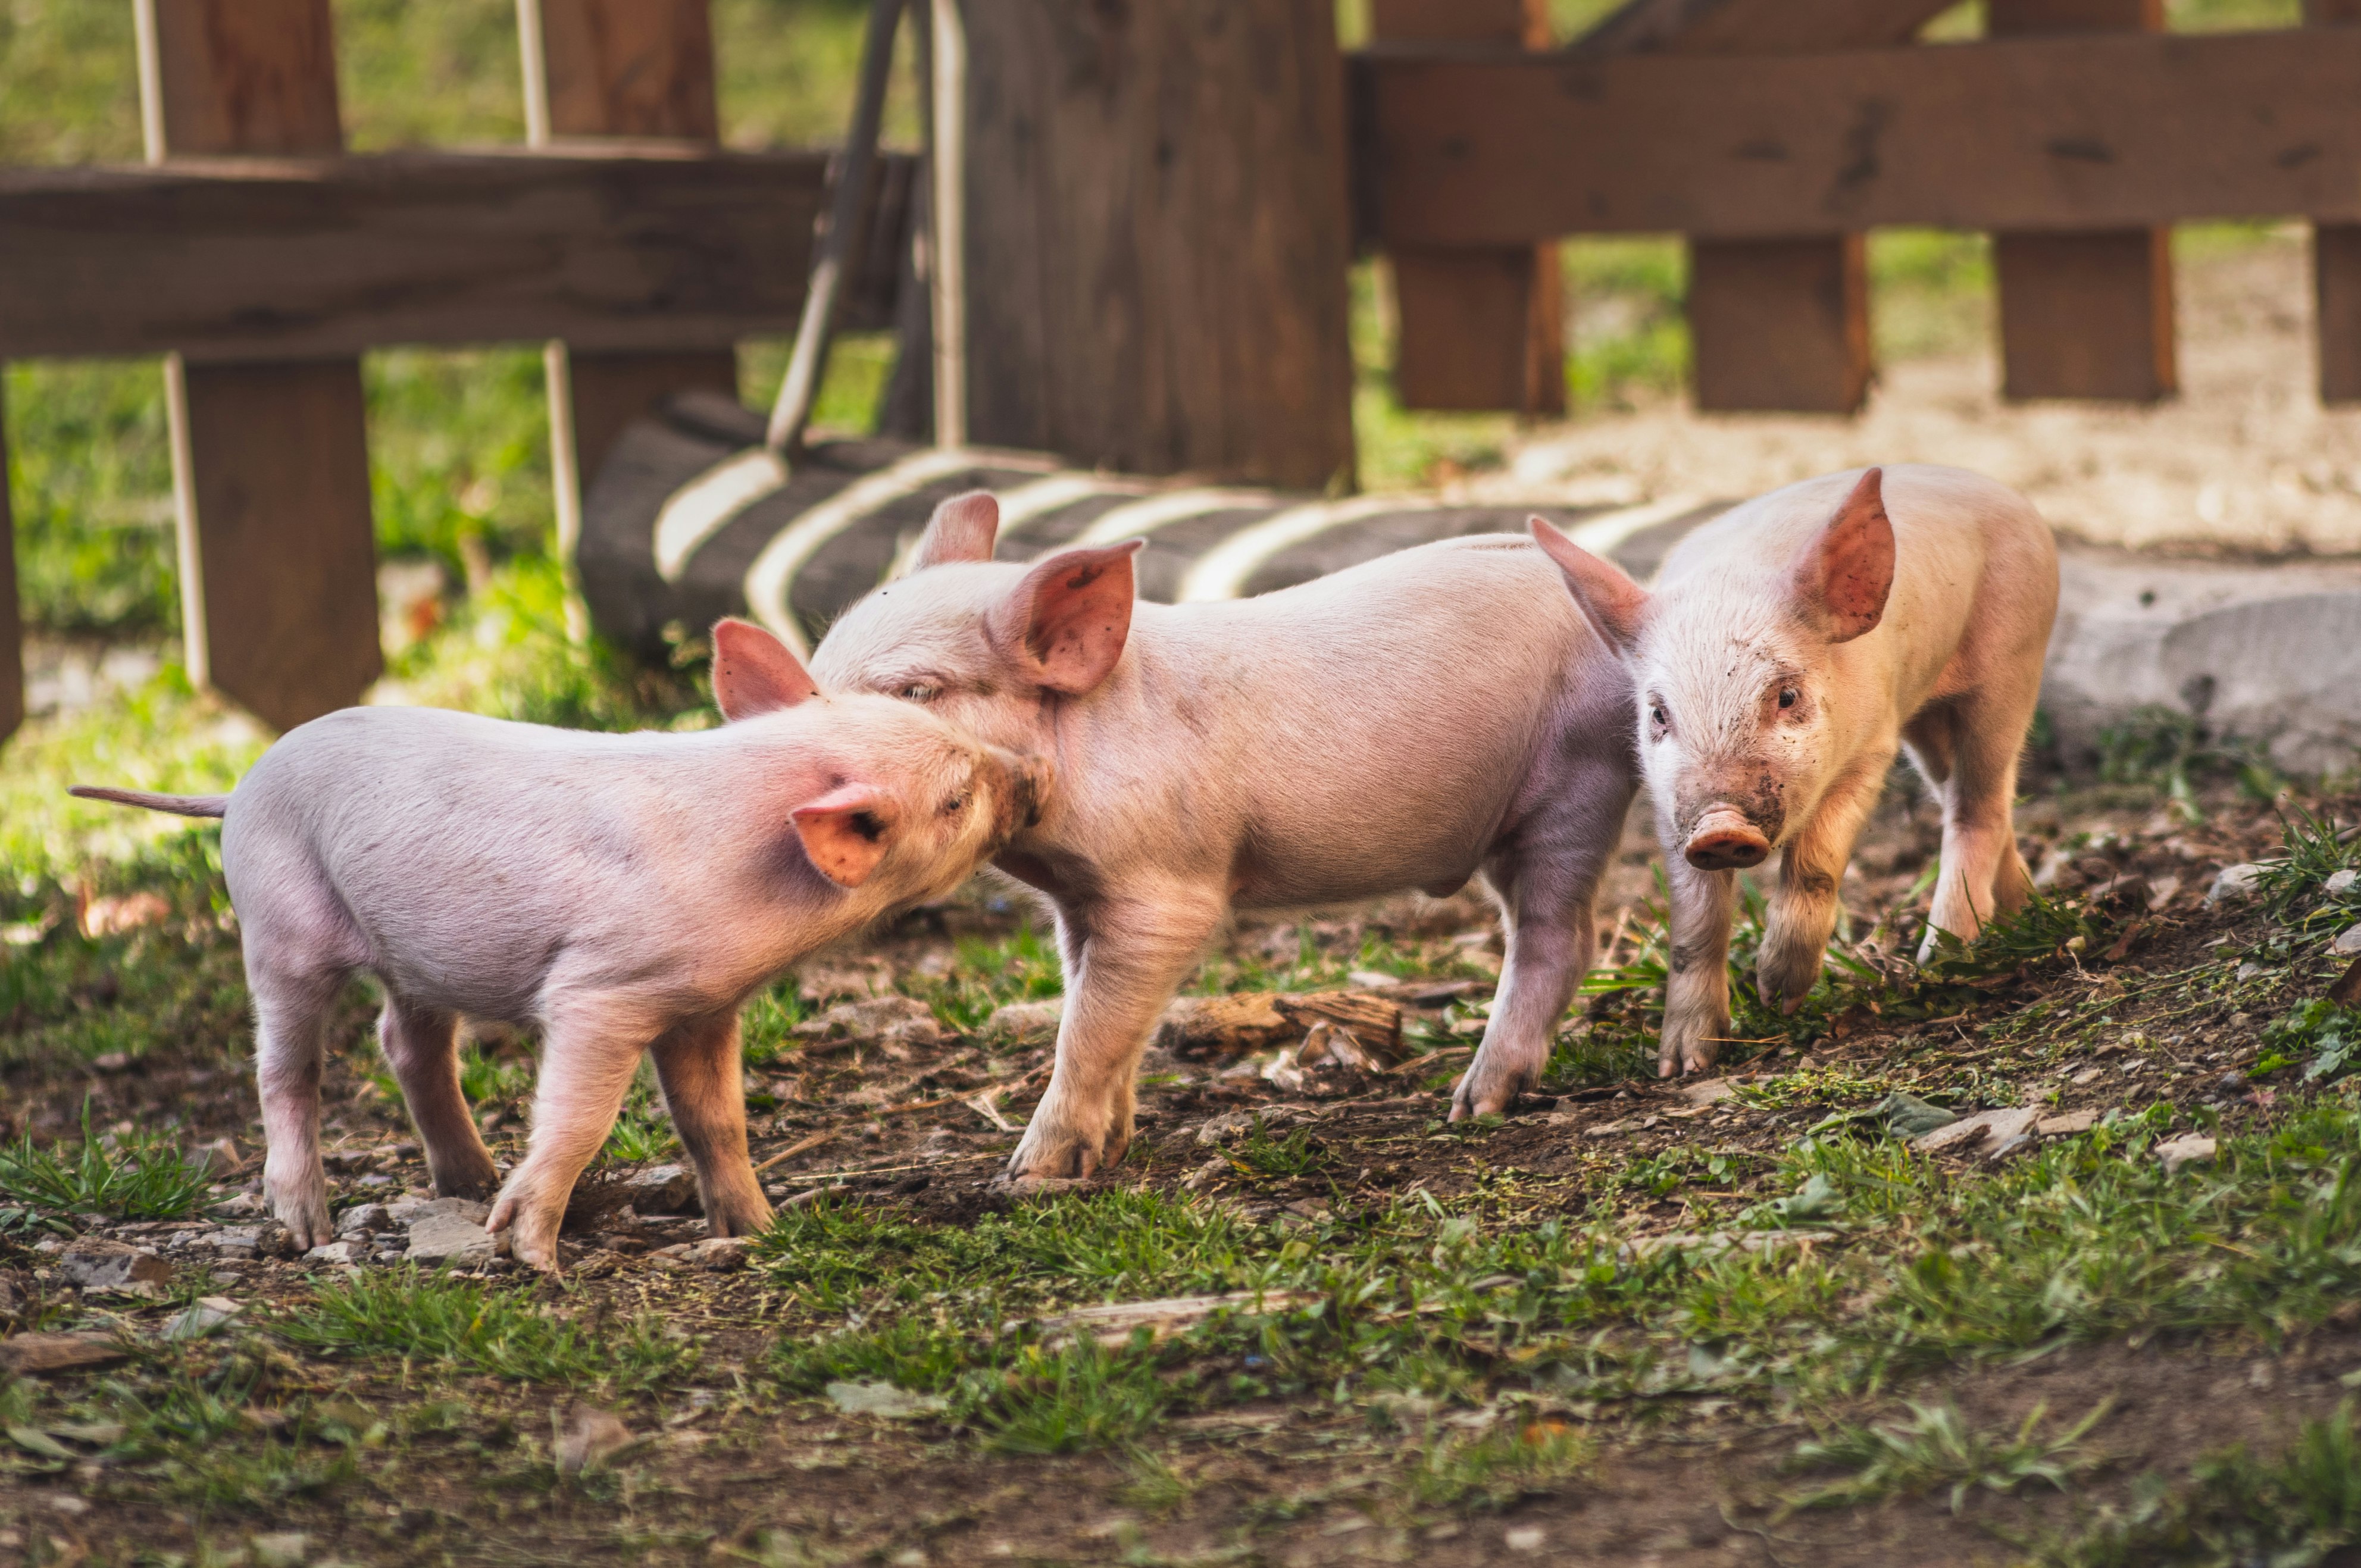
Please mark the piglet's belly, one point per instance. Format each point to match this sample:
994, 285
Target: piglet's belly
1368, 868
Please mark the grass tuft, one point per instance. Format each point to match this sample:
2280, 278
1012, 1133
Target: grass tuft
135, 1177
1937, 1448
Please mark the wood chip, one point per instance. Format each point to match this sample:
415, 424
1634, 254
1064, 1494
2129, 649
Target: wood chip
801, 1146
30, 1356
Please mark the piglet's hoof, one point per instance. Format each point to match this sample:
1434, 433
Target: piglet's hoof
1016, 1186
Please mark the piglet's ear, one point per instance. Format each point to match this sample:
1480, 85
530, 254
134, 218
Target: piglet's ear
963, 529
753, 672
1845, 573
846, 832
1066, 622
1614, 604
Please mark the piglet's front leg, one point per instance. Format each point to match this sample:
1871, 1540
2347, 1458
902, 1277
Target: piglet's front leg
1696, 992
1124, 960
587, 1066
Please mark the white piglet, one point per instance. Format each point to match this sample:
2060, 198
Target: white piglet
1788, 648
1411, 722
625, 893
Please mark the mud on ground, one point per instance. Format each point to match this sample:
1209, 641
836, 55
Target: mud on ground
1602, 1329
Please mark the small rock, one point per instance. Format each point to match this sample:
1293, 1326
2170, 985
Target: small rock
204, 1315
364, 1220
884, 1400
111, 1061
31, 1354
661, 1189
96, 1263
1912, 1117
719, 1253
2341, 882
280, 1549
590, 1437
2347, 943
336, 1251
1368, 979
1993, 1128
410, 1211
2066, 1124
66, 1503
1525, 1537
898, 1020
1706, 1091
217, 1159
1232, 1124
449, 1240
1027, 1023
2188, 1148
2233, 883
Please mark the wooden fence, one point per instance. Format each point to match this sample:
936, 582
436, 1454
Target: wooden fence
1164, 200
262, 259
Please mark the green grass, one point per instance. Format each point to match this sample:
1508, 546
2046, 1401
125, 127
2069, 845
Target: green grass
1508, 1460
499, 1332
130, 1176
1938, 1448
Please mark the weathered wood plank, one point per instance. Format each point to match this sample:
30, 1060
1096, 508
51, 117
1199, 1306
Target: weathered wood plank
1757, 27
1779, 325
2336, 264
12, 628
1156, 192
269, 461
1477, 329
2050, 133
315, 258
2084, 315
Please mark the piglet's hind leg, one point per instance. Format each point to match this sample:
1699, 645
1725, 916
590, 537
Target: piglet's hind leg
289, 1008
698, 1064
421, 1045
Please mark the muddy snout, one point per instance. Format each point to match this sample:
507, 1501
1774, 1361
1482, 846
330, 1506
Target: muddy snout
1724, 841
1024, 788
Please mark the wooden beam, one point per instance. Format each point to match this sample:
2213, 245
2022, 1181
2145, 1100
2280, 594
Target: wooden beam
1757, 27
2084, 315
270, 460
319, 258
12, 626
2336, 264
617, 68
2059, 134
1476, 329
1158, 237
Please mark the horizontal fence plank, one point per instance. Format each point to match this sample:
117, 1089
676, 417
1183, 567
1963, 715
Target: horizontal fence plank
289, 258
2037, 134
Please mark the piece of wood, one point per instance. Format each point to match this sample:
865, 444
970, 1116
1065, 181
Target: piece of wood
1779, 324
1158, 238
313, 259
1476, 330
12, 630
2336, 264
269, 461
2060, 134
2084, 315
1757, 27
278, 575
599, 68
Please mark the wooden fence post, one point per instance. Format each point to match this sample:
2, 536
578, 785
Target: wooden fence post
2336, 264
1481, 328
12, 628
2084, 315
269, 461
616, 68
1158, 236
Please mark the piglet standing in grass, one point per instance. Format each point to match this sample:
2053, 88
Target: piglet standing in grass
625, 893
1788, 648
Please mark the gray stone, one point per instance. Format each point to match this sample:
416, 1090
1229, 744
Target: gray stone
364, 1219
662, 1189
206, 1315
336, 1252
718, 1254
898, 1020
2347, 943
280, 1549
96, 1263
2233, 884
2188, 1148
2339, 884
449, 1239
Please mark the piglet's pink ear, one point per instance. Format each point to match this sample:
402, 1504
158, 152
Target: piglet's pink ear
963, 528
846, 832
753, 672
1066, 622
1847, 571
1613, 603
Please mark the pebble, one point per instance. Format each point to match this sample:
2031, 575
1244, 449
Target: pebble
2341, 882
280, 1549
364, 1219
334, 1252
662, 1189
2347, 943
2188, 1148
2233, 883
96, 1263
718, 1254
444, 1237
203, 1316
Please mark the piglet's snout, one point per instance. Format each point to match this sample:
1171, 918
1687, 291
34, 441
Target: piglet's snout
1724, 841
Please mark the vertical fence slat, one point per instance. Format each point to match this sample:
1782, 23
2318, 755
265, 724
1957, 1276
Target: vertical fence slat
2084, 315
2336, 264
617, 68
1779, 325
270, 460
1481, 329
12, 629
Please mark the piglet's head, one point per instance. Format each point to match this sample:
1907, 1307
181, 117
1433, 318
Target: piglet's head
1735, 671
910, 804
992, 646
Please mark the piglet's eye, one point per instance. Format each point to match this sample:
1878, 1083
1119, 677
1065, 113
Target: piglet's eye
918, 691
1656, 712
955, 805
1787, 696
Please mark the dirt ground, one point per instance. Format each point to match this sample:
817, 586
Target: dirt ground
733, 1467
